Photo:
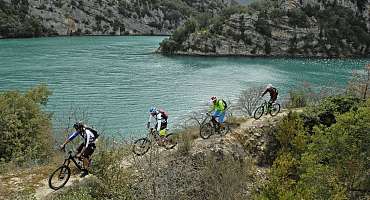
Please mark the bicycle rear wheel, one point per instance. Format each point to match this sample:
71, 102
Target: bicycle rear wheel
206, 130
170, 142
141, 146
59, 177
275, 109
259, 112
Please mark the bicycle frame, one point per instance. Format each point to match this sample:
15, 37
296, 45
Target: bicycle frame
153, 135
265, 105
67, 161
208, 119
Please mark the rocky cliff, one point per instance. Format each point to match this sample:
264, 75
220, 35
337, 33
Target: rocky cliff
283, 29
27, 18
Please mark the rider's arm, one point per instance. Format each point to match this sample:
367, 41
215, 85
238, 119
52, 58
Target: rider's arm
264, 92
70, 138
211, 108
159, 121
150, 118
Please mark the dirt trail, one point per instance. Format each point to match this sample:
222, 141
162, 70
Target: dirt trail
45, 190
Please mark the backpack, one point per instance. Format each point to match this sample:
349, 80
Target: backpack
95, 132
164, 114
225, 104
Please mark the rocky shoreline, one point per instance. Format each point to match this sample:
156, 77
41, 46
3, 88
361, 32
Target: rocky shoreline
202, 54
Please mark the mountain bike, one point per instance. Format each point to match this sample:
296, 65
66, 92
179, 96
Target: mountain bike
142, 145
273, 110
62, 174
210, 127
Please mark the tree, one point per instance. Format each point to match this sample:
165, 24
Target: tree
249, 100
25, 129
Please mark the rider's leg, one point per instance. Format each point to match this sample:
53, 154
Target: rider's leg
222, 120
86, 158
215, 119
216, 116
79, 148
271, 101
163, 133
269, 105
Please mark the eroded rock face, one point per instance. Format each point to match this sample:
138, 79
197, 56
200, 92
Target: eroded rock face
242, 38
109, 17
265, 33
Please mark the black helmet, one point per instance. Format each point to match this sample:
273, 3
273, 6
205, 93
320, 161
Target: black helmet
78, 125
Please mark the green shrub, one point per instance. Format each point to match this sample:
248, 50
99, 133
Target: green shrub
338, 104
267, 47
298, 18
331, 163
297, 99
25, 128
262, 25
168, 46
291, 134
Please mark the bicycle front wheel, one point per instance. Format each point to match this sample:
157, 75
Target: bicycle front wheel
206, 130
141, 146
275, 109
259, 112
170, 142
59, 177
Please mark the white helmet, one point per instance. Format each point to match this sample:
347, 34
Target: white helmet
269, 86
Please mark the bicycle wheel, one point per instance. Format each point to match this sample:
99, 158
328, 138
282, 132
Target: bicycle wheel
206, 130
226, 129
259, 112
170, 141
59, 177
275, 109
141, 146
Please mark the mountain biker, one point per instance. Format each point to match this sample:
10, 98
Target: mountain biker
218, 109
273, 94
86, 148
161, 118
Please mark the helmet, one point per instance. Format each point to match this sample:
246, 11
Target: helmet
213, 98
269, 86
78, 125
152, 109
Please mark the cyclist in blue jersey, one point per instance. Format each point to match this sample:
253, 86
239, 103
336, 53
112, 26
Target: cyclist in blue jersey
86, 148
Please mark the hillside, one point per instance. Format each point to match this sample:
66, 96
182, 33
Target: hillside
30, 18
278, 28
182, 161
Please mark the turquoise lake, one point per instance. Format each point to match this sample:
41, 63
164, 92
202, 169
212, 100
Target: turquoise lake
112, 81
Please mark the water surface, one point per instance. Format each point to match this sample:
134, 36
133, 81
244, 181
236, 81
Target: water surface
113, 81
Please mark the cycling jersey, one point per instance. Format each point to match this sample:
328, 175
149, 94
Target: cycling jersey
161, 120
218, 106
87, 135
273, 93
